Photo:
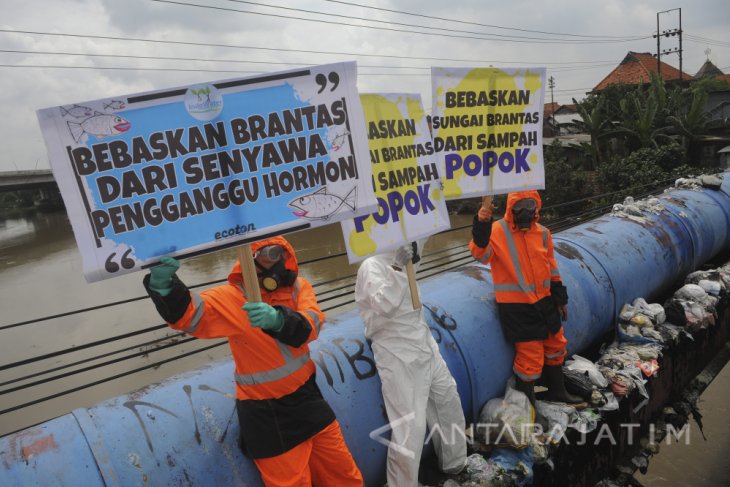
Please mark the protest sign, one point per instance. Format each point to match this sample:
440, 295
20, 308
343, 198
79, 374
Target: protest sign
487, 129
405, 177
198, 168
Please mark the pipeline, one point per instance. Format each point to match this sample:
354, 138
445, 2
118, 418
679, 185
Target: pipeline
185, 431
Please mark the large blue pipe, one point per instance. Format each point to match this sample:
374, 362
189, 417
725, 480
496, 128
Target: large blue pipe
184, 430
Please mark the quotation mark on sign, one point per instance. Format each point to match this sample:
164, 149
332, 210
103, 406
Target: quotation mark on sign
321, 80
112, 267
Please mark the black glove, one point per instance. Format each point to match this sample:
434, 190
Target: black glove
481, 232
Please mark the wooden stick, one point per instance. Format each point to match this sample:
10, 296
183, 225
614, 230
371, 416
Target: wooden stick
415, 298
248, 269
487, 201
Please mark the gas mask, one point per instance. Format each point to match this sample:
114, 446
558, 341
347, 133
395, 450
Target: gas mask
524, 213
269, 261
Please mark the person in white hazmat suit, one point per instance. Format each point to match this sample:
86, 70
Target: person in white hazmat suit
418, 389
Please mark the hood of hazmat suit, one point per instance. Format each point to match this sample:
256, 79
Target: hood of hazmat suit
384, 299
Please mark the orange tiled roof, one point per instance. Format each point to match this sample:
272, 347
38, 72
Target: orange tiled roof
636, 68
550, 108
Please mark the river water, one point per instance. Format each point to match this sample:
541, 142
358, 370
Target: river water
40, 276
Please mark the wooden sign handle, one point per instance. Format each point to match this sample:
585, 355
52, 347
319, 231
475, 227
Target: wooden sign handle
487, 201
415, 298
248, 270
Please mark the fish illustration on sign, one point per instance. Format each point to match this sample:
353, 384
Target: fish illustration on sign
76, 111
99, 125
114, 105
320, 205
339, 140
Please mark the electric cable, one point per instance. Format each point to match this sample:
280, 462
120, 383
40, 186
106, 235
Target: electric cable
91, 359
493, 26
273, 49
108, 379
391, 29
351, 17
557, 68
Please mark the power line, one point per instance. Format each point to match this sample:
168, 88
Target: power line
140, 346
328, 14
389, 29
113, 68
272, 49
117, 376
485, 25
190, 70
96, 366
559, 68
705, 40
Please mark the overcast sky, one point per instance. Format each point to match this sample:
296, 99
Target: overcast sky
579, 41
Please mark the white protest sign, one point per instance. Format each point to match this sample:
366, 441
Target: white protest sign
405, 174
197, 168
487, 129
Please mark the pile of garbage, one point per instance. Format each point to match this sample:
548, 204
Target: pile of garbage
519, 437
711, 181
694, 305
637, 209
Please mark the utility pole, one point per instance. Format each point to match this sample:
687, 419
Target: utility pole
668, 33
551, 85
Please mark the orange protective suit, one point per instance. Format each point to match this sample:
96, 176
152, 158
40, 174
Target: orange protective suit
527, 287
286, 425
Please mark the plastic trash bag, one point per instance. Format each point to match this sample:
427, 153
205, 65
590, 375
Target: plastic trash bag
511, 418
517, 463
584, 421
654, 311
482, 471
691, 292
632, 334
581, 364
578, 383
712, 288
611, 402
557, 415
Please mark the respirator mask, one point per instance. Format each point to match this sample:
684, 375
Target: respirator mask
271, 272
524, 213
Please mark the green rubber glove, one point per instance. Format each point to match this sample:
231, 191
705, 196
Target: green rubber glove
263, 316
161, 275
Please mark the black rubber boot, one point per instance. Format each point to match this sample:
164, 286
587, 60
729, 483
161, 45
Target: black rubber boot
555, 382
528, 388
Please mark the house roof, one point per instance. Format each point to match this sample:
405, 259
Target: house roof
549, 109
636, 68
570, 108
709, 69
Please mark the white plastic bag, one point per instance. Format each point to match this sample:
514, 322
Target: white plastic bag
582, 365
509, 419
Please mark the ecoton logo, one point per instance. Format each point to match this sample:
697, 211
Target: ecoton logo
203, 102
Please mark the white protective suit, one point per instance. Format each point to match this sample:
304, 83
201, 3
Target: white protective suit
418, 389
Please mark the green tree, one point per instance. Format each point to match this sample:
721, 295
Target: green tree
563, 183
639, 121
643, 167
593, 122
691, 122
